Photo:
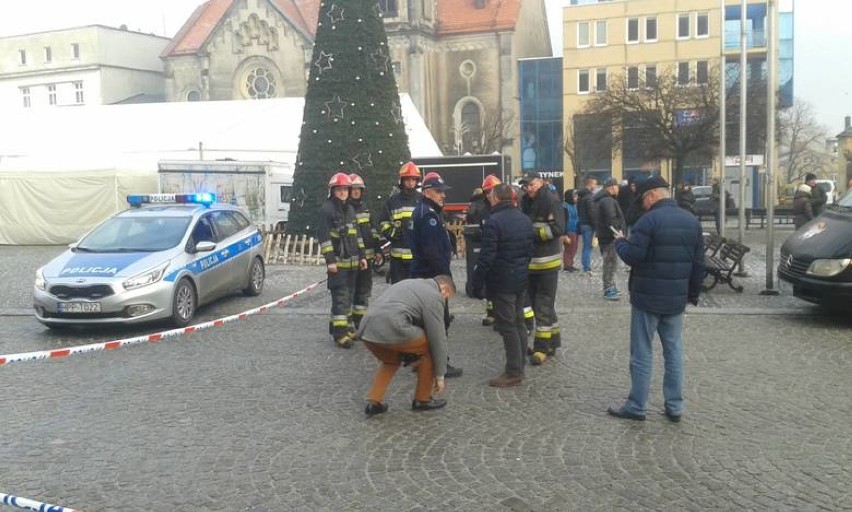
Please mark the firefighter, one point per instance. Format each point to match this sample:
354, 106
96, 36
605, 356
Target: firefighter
395, 221
545, 211
477, 216
364, 279
343, 250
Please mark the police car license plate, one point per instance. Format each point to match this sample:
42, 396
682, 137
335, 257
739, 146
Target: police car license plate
78, 307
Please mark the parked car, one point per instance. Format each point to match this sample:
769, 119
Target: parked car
817, 259
160, 259
703, 200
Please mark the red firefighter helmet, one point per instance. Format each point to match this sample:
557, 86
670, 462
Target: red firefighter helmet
409, 170
340, 179
490, 182
357, 181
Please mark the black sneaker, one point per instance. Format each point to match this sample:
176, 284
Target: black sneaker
374, 408
620, 412
674, 418
435, 403
453, 372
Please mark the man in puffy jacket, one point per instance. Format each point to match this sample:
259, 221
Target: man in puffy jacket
501, 270
665, 251
586, 220
609, 217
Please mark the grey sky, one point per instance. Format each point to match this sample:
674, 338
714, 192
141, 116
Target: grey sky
823, 74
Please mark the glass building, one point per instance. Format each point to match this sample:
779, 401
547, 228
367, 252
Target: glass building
541, 117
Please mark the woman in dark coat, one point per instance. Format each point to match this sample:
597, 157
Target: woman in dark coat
802, 210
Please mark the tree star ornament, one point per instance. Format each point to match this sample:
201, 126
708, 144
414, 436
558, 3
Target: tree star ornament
323, 63
335, 14
335, 108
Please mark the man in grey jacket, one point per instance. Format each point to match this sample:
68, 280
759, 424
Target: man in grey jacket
407, 322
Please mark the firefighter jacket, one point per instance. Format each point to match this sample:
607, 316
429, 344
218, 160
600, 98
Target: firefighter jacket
395, 222
338, 235
547, 215
365, 227
429, 241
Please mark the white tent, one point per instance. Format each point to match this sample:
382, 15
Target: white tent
62, 170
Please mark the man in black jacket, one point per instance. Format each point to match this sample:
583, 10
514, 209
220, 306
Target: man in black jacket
507, 242
609, 219
818, 196
586, 220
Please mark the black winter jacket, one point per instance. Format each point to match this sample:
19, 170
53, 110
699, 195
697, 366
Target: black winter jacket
665, 252
429, 241
507, 241
586, 207
608, 213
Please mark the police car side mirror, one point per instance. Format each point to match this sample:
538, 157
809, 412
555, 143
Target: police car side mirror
205, 246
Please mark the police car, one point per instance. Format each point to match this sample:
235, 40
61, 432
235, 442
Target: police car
160, 259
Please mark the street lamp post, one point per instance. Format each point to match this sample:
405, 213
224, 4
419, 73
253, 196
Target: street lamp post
771, 148
723, 93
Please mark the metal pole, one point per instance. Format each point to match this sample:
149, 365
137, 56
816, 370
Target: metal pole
743, 114
723, 94
771, 148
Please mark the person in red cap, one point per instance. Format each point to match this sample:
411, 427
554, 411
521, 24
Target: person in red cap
477, 215
343, 250
395, 219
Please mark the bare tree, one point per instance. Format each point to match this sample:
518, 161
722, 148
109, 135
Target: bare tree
663, 118
802, 141
492, 133
588, 139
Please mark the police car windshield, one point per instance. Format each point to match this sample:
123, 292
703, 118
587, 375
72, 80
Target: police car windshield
135, 234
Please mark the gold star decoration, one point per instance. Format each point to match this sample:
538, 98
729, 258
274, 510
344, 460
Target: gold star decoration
324, 61
334, 108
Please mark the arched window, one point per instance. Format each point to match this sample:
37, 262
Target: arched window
471, 126
193, 96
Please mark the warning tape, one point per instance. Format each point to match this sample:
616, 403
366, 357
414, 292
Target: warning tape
15, 501
159, 336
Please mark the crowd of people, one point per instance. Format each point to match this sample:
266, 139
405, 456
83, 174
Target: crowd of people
521, 237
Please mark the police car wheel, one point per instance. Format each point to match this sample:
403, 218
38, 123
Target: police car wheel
256, 279
183, 303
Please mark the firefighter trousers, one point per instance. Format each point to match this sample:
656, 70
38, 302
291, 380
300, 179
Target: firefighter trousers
341, 284
542, 294
363, 290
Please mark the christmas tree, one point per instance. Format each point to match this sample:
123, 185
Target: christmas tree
353, 119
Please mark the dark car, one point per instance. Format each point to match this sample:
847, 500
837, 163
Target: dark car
704, 205
817, 258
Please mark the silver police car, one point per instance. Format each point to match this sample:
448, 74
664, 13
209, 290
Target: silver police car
160, 259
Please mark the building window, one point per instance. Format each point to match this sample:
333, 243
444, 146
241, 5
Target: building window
600, 33
702, 24
389, 8
583, 86
427, 9
683, 73
583, 39
683, 26
78, 93
633, 30
51, 94
650, 76
471, 122
25, 96
22, 57
702, 72
650, 29
193, 96
260, 84
600, 80
633, 77
48, 54
75, 51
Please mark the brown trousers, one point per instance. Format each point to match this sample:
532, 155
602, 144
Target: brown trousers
390, 357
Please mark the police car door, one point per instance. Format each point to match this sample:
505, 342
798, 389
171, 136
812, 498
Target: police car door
207, 266
232, 260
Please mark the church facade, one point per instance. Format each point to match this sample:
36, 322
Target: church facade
457, 59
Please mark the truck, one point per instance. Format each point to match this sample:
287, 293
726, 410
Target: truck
464, 173
263, 189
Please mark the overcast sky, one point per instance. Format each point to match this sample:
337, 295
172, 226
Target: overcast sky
823, 72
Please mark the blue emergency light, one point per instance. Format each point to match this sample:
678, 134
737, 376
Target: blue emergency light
205, 198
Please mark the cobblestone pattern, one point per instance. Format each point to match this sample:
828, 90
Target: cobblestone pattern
266, 414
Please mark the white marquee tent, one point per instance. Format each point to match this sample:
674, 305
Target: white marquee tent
62, 170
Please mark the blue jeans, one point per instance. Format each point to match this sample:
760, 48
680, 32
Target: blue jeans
587, 232
643, 325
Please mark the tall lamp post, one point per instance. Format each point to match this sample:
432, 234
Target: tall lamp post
723, 93
771, 147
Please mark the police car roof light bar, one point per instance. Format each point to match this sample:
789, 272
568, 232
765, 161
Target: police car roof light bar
205, 198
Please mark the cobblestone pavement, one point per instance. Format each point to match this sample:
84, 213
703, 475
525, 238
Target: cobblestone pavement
266, 414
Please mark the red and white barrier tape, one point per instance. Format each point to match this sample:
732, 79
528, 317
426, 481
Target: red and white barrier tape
159, 336
8, 499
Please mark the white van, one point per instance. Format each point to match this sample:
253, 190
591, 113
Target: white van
830, 190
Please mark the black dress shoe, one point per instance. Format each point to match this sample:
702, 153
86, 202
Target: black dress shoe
627, 415
374, 408
674, 418
453, 372
435, 403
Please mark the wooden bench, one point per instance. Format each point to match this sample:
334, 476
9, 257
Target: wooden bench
723, 263
712, 243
